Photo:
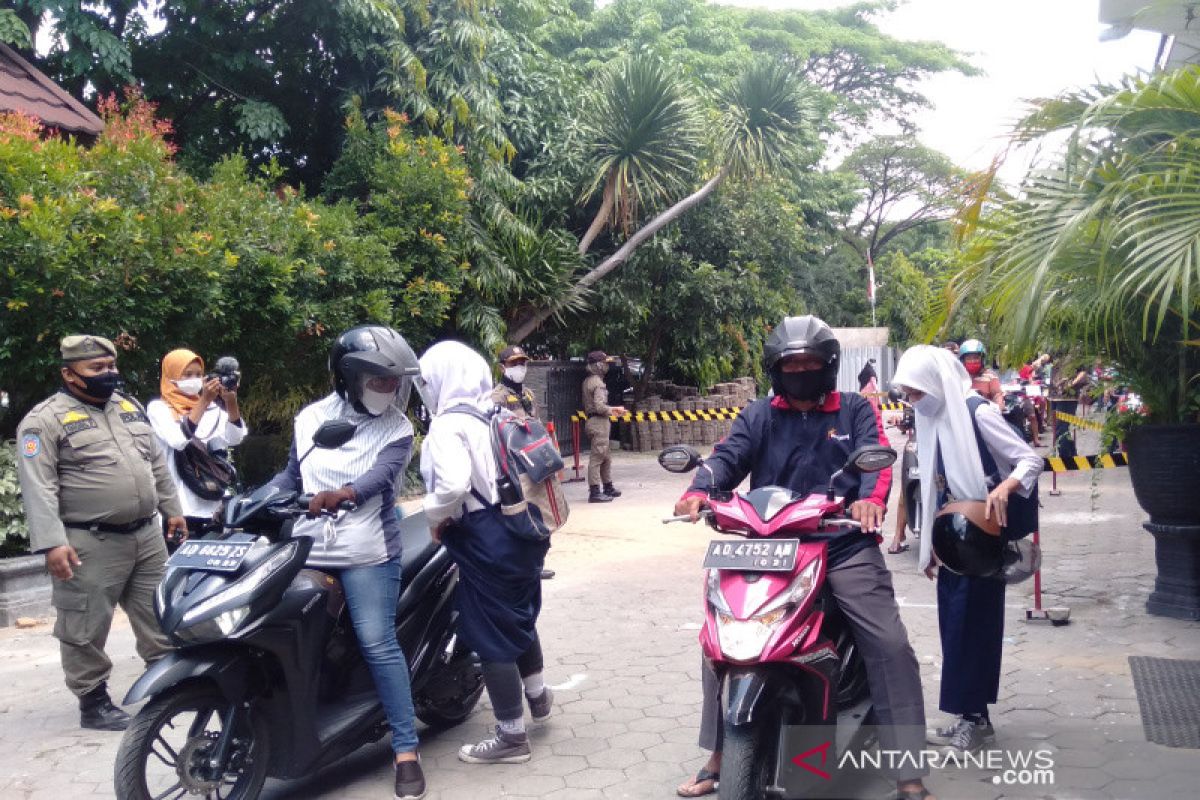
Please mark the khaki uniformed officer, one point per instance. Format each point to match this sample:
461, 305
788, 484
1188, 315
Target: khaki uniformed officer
92, 476
595, 405
511, 393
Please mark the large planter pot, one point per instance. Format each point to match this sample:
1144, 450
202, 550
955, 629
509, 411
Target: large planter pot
1164, 466
24, 589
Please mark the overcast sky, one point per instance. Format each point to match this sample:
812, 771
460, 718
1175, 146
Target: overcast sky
1026, 49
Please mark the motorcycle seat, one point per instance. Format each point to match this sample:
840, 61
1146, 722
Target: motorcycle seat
417, 546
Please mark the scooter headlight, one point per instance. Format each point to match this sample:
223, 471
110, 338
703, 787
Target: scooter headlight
221, 614
744, 640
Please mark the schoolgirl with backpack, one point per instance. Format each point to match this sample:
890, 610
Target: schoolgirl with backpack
979, 498
493, 501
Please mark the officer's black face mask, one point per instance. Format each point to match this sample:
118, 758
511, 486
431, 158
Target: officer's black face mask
805, 386
100, 386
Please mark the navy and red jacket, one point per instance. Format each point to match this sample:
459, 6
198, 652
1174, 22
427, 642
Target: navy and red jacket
800, 450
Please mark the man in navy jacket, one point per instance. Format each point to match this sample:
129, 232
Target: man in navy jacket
798, 439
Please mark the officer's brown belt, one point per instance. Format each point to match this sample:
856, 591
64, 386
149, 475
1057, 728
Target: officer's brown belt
106, 527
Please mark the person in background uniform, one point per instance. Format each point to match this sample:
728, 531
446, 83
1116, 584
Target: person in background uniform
187, 410
92, 477
598, 411
511, 393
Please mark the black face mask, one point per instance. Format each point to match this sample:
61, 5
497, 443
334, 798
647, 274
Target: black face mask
804, 386
100, 386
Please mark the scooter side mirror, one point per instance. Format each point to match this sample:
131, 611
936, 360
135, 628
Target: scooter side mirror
868, 458
334, 433
680, 458
871, 458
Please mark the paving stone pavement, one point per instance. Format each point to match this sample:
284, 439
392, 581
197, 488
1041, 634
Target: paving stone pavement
620, 623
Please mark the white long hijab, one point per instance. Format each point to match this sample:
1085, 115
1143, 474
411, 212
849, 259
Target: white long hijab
938, 373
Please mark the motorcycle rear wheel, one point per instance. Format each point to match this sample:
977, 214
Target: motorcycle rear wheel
173, 734
448, 711
747, 762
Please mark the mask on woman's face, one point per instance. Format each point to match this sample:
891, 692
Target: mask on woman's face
973, 367
377, 402
516, 374
928, 405
190, 386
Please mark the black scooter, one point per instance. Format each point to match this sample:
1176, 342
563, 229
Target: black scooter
268, 680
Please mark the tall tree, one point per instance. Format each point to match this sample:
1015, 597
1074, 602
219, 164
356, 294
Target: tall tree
904, 185
767, 126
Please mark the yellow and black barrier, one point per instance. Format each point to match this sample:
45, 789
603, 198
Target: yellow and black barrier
1079, 422
1080, 463
891, 406
669, 416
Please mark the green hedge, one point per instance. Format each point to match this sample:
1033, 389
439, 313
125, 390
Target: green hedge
117, 240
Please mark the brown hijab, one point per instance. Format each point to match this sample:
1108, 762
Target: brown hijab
173, 365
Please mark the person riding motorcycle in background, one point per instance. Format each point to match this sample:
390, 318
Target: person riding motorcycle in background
798, 439
373, 371
973, 356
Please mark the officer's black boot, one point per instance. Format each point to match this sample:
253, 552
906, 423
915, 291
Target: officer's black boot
596, 495
611, 490
97, 712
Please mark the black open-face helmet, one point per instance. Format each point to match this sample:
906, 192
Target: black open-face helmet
798, 336
967, 544
370, 351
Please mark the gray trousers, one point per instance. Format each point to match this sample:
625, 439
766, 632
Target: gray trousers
863, 588
118, 569
600, 459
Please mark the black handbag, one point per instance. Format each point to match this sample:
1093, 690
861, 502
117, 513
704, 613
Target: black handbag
207, 474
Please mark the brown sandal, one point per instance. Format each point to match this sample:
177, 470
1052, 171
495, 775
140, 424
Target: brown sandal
702, 776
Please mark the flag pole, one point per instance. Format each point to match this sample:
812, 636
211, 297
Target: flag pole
871, 285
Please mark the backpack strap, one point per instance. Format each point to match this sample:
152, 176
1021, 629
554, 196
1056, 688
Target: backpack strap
991, 471
486, 419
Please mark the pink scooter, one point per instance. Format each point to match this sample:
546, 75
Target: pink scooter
795, 687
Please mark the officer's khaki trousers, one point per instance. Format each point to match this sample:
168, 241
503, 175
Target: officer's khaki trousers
117, 568
600, 460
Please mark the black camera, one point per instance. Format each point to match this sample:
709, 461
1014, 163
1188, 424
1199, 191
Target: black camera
228, 371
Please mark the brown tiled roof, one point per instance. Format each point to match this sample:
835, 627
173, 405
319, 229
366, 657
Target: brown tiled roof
23, 88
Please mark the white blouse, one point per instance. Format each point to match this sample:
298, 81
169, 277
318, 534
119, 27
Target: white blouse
1012, 454
456, 455
214, 430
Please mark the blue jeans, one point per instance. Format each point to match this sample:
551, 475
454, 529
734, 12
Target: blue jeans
371, 594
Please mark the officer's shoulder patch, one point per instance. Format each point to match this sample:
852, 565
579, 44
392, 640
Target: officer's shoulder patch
31, 444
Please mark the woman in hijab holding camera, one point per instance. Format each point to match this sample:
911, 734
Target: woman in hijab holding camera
967, 452
194, 411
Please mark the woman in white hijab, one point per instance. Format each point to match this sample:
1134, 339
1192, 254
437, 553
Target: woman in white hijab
966, 451
499, 593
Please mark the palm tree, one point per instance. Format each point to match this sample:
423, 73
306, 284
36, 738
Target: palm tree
642, 135
767, 125
1105, 243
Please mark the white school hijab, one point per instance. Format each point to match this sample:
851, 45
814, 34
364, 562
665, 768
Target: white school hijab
937, 372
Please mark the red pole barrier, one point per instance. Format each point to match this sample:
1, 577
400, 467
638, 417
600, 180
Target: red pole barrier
575, 437
1037, 576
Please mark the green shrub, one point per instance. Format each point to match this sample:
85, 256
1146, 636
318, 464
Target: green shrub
116, 240
14, 539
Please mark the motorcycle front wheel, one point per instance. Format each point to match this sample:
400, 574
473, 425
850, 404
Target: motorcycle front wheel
165, 750
747, 761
